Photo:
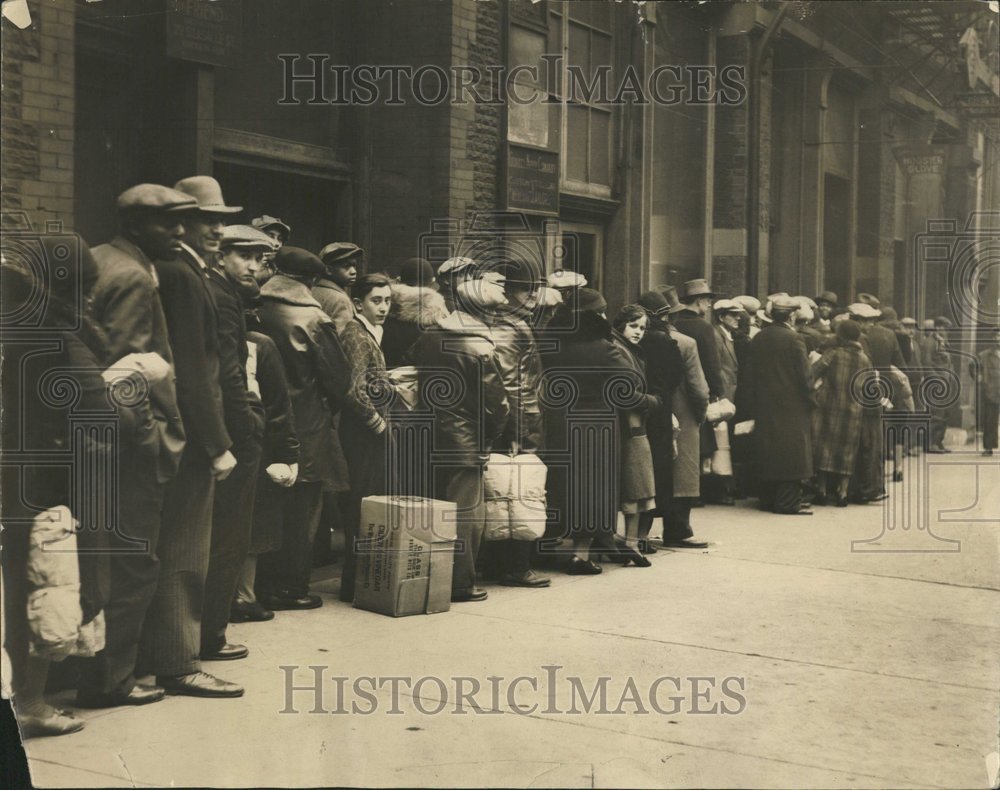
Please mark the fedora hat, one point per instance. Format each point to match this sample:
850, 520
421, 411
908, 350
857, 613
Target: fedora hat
827, 296
208, 193
695, 288
670, 294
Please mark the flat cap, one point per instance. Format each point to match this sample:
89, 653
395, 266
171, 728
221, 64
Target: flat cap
943, 320
453, 266
298, 262
246, 236
727, 306
863, 310
806, 301
266, 221
907, 321
829, 297
566, 278
154, 197
339, 252
749, 303
784, 303
869, 299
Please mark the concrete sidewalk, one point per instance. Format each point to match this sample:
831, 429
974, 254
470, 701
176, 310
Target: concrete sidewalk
871, 667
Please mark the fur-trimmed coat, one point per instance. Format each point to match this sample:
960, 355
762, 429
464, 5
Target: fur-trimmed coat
414, 310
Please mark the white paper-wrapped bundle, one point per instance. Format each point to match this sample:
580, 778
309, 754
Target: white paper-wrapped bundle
515, 497
722, 458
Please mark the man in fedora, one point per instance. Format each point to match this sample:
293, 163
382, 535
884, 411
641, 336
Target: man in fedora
692, 321
779, 389
171, 639
341, 261
125, 302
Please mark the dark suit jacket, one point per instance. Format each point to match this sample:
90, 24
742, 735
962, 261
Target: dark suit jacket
125, 302
694, 326
244, 417
192, 322
884, 347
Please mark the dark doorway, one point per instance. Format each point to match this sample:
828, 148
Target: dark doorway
106, 157
308, 204
836, 236
582, 248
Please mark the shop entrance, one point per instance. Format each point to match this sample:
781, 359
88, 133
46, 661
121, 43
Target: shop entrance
309, 204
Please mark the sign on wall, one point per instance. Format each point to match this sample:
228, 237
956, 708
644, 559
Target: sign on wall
532, 180
210, 33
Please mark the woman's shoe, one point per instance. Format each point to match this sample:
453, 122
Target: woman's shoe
57, 723
578, 567
841, 501
634, 557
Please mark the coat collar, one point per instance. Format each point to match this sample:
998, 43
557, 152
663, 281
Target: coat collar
331, 285
134, 252
285, 289
464, 323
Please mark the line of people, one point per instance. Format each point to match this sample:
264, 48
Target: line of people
269, 384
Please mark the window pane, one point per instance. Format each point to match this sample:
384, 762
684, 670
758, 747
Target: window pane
600, 147
601, 52
579, 49
576, 142
526, 48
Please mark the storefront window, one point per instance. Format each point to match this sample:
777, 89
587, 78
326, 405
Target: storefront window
677, 227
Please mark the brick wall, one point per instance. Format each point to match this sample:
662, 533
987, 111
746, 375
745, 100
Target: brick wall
37, 113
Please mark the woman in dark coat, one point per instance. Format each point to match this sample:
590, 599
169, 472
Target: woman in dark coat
836, 421
585, 373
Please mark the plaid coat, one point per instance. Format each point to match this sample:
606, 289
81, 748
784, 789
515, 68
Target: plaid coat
836, 422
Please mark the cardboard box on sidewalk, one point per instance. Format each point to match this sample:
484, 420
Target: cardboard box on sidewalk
405, 552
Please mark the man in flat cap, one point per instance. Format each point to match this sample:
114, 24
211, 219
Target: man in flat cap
318, 378
341, 260
279, 232
171, 639
241, 254
779, 385
126, 303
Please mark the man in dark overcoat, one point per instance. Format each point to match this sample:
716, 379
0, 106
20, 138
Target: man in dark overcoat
780, 401
171, 639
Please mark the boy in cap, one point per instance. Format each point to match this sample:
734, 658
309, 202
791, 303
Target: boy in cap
125, 302
340, 261
279, 232
241, 254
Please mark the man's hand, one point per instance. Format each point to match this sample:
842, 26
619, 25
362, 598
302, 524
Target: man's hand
283, 474
222, 465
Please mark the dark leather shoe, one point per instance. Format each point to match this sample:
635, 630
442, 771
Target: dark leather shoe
646, 547
199, 684
526, 579
578, 567
249, 613
475, 594
58, 723
139, 695
686, 543
227, 652
278, 603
